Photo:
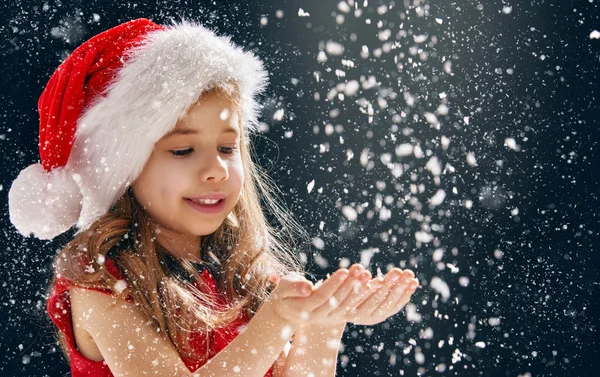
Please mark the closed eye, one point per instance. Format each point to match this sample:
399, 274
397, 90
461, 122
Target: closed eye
181, 152
228, 150
185, 152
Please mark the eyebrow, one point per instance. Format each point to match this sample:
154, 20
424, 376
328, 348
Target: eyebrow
193, 131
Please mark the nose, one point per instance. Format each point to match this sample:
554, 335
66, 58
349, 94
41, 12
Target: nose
213, 168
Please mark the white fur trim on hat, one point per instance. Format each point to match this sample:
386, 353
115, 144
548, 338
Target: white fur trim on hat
45, 204
159, 82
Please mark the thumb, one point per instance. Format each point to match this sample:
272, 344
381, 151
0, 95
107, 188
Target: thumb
293, 285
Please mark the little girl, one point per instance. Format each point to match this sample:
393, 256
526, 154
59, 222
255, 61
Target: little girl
174, 269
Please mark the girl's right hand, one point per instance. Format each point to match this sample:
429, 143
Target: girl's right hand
296, 300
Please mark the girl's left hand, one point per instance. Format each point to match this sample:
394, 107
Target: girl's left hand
388, 296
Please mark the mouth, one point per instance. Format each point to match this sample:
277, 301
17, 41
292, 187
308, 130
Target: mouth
207, 205
205, 201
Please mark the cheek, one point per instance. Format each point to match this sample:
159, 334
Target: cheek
156, 181
237, 175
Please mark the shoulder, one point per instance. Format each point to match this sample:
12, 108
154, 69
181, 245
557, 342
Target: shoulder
127, 341
91, 298
90, 305
92, 310
108, 287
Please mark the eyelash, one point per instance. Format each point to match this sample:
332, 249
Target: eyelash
189, 150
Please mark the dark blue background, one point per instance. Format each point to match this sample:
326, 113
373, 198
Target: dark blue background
545, 287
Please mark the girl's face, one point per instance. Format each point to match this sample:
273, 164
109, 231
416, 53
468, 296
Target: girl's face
199, 157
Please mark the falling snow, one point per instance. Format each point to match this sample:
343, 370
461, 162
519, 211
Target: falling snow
454, 139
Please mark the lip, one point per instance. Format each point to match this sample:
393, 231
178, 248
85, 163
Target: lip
210, 195
207, 208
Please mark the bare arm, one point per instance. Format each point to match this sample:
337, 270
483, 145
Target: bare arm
359, 300
255, 350
132, 347
314, 351
315, 345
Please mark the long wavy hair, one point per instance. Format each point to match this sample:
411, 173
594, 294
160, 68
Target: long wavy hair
246, 252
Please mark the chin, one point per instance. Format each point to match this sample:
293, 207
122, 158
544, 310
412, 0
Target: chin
205, 230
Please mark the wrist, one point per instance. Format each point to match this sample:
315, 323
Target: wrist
329, 330
270, 316
315, 350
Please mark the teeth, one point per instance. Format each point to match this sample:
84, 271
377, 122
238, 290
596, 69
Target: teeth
205, 201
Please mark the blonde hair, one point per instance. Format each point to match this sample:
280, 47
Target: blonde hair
249, 252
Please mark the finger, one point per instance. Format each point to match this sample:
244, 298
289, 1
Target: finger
357, 276
357, 297
325, 291
409, 273
406, 296
361, 291
359, 308
292, 285
306, 305
399, 291
376, 283
365, 276
375, 300
369, 288
356, 279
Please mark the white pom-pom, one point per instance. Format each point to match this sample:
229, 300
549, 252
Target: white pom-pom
44, 203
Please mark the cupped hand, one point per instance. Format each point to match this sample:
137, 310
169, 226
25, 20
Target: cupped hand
386, 297
352, 292
295, 299
346, 296
365, 301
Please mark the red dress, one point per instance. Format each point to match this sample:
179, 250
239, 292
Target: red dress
59, 309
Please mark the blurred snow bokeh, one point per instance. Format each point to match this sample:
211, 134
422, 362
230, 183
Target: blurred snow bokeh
444, 137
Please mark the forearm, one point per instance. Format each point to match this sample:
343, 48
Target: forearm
314, 350
253, 351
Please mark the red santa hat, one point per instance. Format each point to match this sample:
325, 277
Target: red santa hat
106, 106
